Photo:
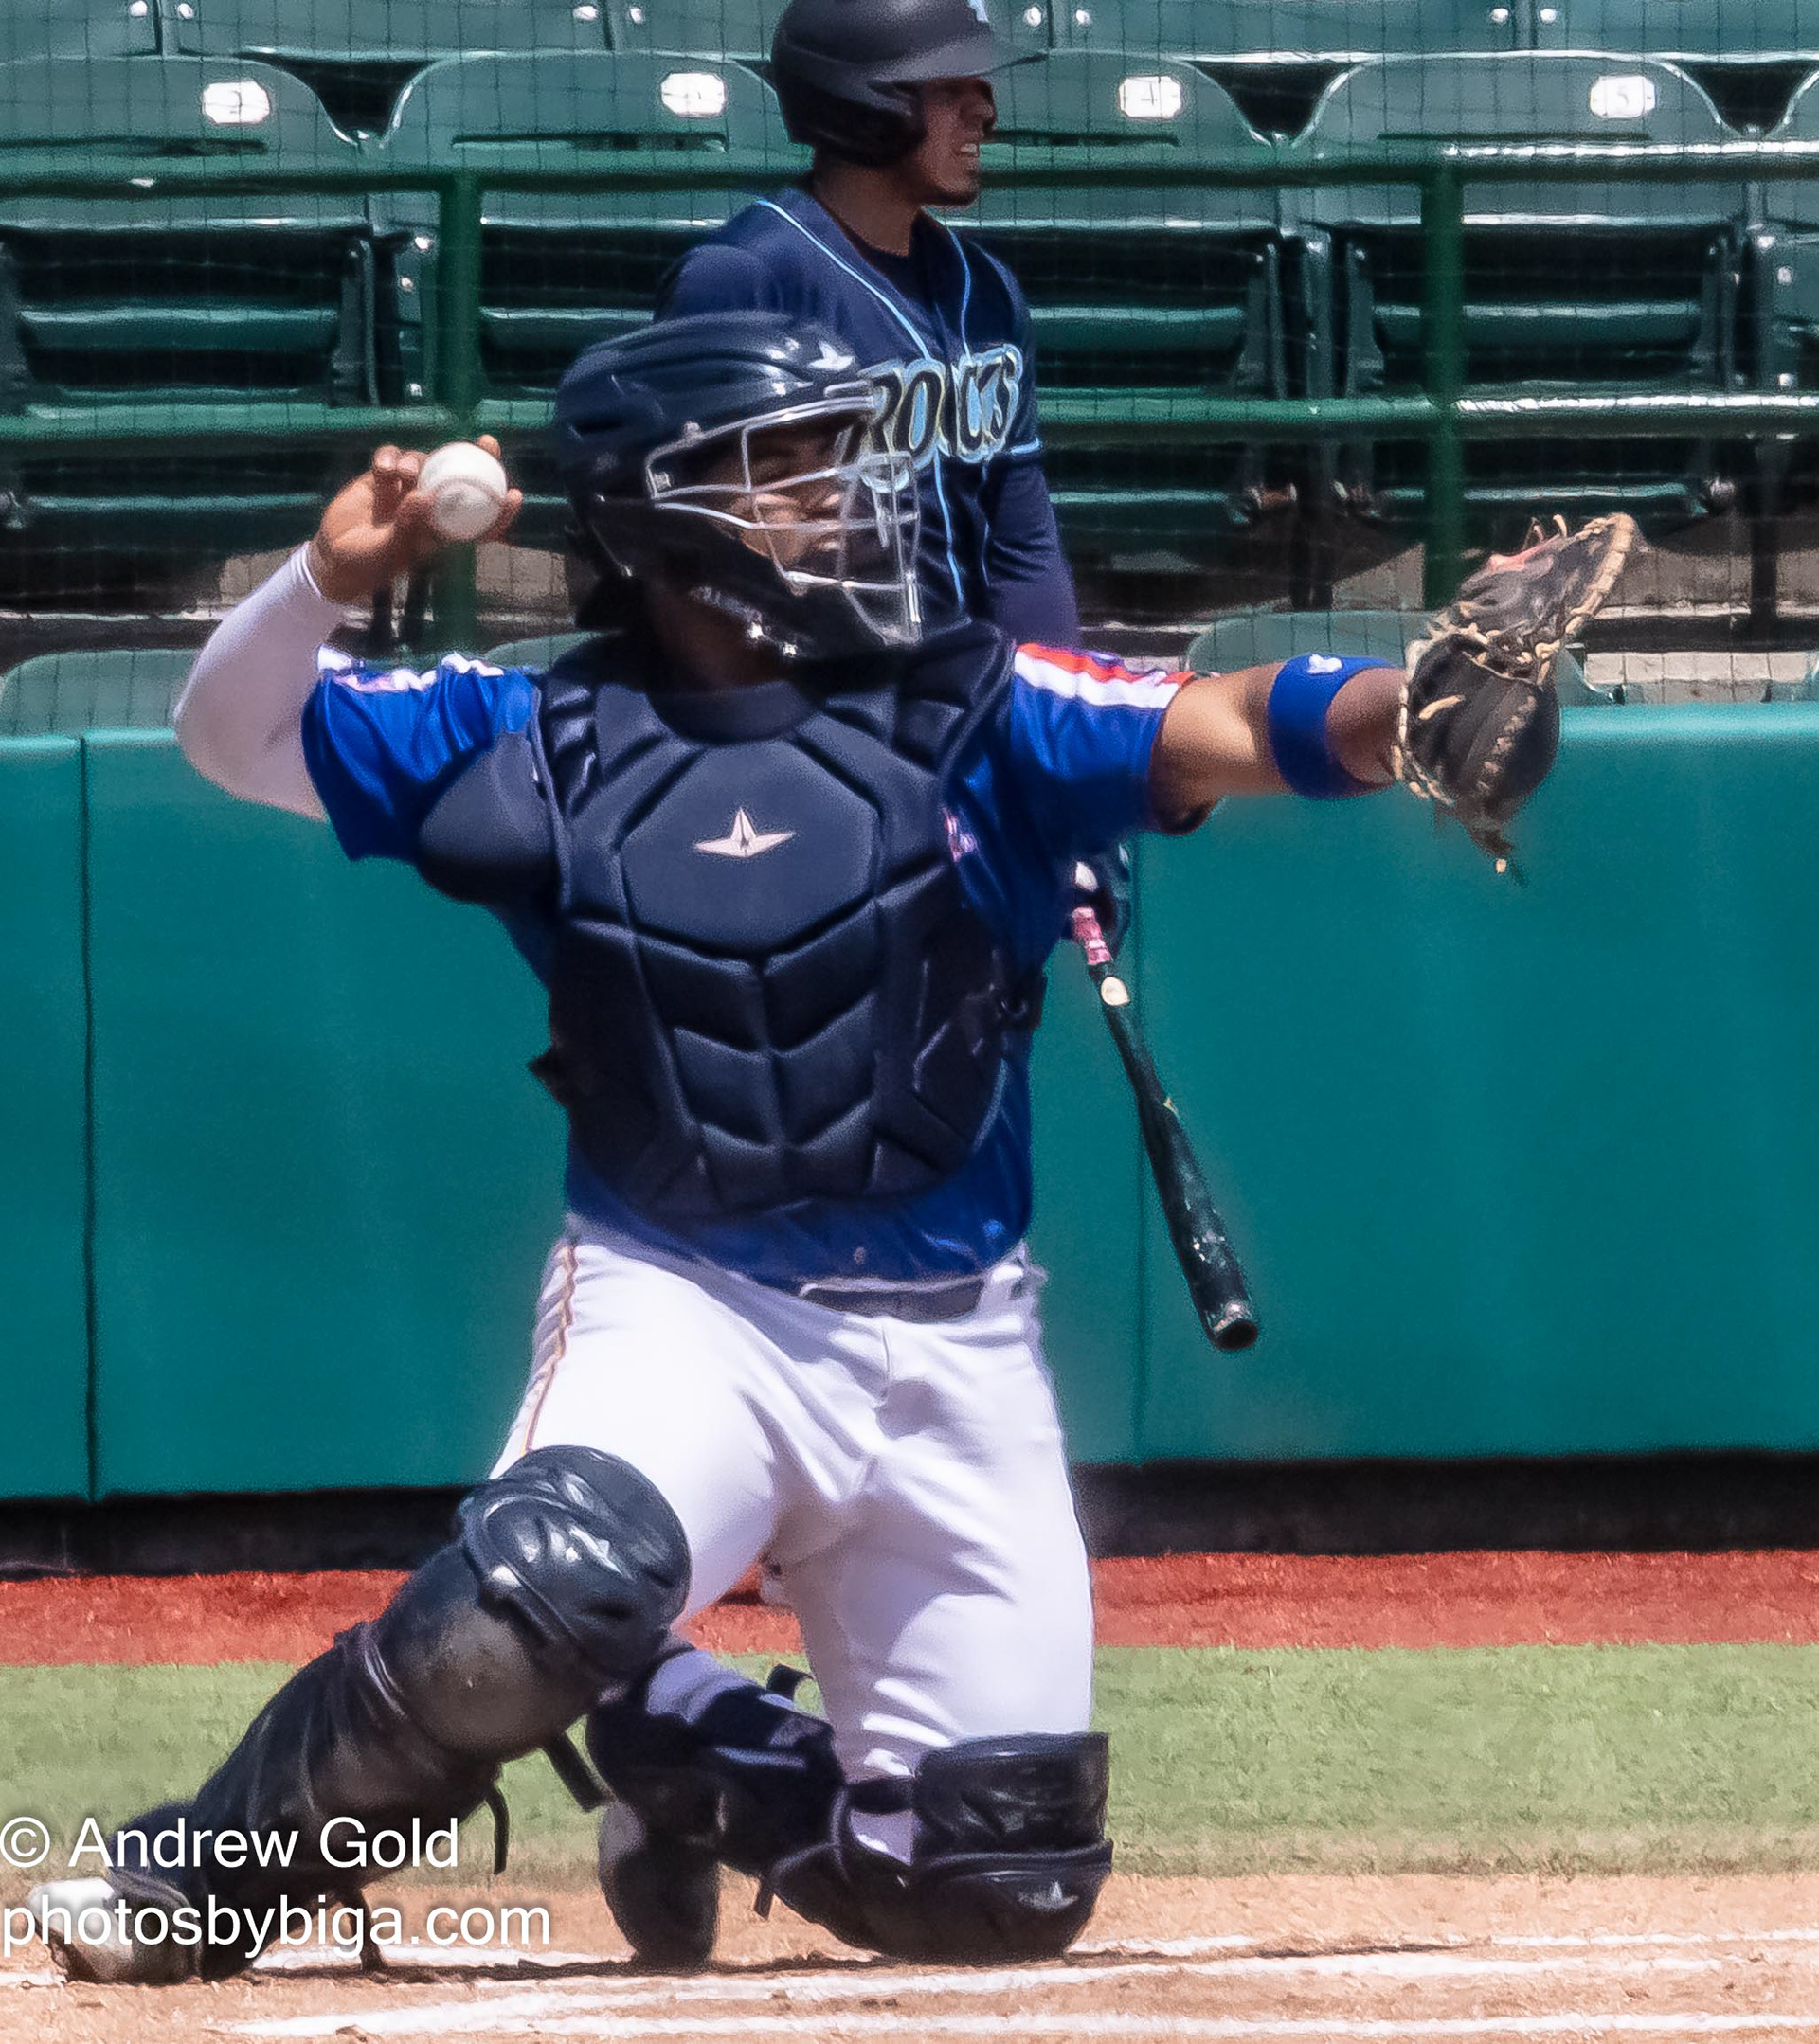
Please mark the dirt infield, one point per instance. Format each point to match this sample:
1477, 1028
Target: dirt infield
1396, 1962
1187, 1599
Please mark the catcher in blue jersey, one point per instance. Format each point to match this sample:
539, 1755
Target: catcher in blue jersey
789, 865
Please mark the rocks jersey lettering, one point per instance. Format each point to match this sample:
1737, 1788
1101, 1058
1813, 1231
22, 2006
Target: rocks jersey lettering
964, 411
953, 354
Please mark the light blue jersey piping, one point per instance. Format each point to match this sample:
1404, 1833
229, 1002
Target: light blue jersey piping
902, 319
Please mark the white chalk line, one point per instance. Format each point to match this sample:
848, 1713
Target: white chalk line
595, 2003
1166, 1947
504, 2014
609, 2029
314, 1958
1565, 1941
1605, 1939
319, 1956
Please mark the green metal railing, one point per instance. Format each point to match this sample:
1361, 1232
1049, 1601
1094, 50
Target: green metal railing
1441, 414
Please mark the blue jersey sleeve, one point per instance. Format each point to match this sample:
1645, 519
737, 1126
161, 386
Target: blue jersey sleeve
382, 743
718, 277
1027, 582
1078, 734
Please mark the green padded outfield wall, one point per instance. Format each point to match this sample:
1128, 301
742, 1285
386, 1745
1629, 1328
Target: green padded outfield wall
324, 1180
43, 1322
1516, 1169
1090, 1175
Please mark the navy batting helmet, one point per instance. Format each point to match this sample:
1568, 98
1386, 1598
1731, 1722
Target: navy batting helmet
846, 71
731, 454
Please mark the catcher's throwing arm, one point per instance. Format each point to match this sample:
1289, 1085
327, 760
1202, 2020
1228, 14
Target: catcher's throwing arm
1215, 1278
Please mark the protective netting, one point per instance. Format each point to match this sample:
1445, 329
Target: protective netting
173, 359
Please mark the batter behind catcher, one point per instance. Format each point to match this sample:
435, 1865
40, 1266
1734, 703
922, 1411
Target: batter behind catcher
894, 96
789, 867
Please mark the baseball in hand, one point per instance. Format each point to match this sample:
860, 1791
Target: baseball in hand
466, 487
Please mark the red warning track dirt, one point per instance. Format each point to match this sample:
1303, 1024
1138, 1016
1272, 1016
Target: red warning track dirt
1183, 1600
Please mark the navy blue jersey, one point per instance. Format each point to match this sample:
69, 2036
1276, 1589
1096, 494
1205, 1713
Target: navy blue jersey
946, 333
1059, 774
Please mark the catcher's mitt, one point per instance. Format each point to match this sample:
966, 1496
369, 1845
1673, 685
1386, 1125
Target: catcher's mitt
1481, 723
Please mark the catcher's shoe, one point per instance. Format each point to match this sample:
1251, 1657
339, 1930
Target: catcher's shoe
660, 1872
88, 1923
708, 1772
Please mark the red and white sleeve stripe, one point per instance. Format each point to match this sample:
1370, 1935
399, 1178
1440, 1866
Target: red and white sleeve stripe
1097, 679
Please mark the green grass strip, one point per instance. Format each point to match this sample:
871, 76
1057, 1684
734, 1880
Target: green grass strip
1562, 1760
1551, 1759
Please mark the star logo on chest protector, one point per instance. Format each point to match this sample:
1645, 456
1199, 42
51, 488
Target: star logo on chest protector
743, 840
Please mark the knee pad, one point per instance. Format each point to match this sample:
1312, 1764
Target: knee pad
564, 1579
719, 1760
585, 1552
1010, 1854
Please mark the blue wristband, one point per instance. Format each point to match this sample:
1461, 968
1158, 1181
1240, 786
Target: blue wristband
1300, 697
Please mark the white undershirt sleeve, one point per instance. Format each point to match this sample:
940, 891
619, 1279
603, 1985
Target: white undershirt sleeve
239, 718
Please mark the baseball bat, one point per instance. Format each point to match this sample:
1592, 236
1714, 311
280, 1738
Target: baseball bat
1215, 1277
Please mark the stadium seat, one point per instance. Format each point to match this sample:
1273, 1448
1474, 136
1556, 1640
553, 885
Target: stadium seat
543, 650
742, 29
1157, 293
1750, 58
1275, 56
78, 28
1784, 255
1787, 340
1255, 637
1575, 289
1695, 31
356, 55
59, 694
559, 270
160, 299
736, 29
1288, 31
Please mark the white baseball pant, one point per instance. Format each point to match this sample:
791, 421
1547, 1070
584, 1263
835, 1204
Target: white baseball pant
906, 1481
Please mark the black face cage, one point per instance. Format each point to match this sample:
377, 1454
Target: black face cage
840, 533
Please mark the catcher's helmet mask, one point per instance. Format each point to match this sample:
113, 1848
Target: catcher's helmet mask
668, 443
847, 525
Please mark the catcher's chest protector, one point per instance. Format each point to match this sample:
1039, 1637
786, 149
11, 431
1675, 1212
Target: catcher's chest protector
766, 985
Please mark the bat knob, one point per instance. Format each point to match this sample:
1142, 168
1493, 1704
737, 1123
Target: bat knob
1233, 1328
